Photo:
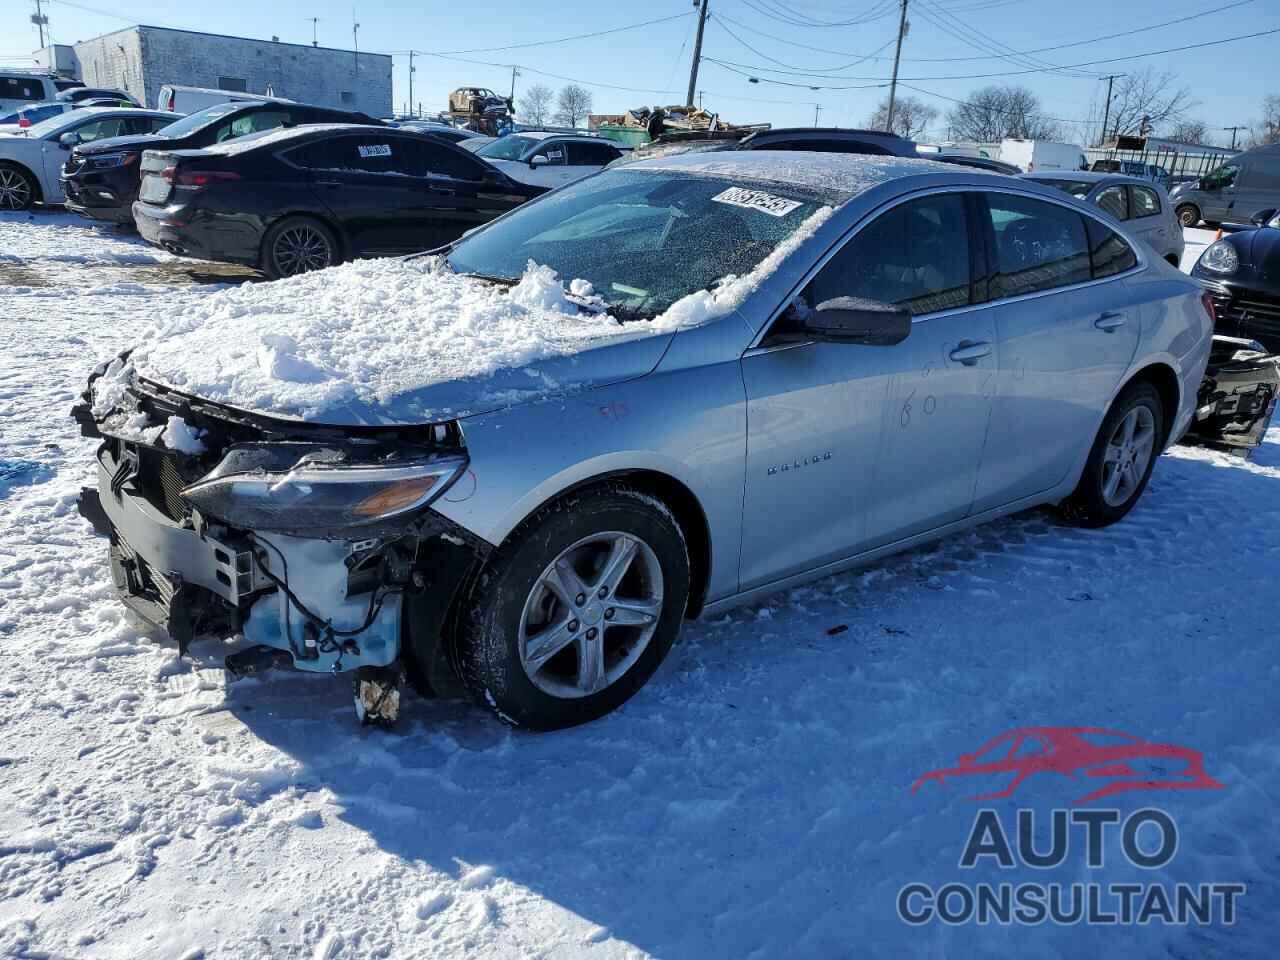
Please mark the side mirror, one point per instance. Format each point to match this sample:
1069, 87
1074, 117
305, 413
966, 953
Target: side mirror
851, 320
1260, 218
538, 160
68, 140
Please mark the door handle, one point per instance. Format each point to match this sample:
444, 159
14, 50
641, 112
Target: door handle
1109, 322
970, 353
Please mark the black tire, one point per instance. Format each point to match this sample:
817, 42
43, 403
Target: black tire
1188, 214
297, 245
1088, 505
489, 647
18, 188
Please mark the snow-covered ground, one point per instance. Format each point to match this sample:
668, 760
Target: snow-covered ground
753, 801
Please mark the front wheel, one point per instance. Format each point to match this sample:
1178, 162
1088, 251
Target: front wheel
17, 188
1188, 214
575, 613
298, 245
1121, 460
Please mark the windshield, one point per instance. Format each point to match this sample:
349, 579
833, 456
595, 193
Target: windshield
1077, 188
510, 147
198, 120
642, 239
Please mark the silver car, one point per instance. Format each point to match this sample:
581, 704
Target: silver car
818, 360
1141, 205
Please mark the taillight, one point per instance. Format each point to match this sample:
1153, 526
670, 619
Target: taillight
201, 178
1207, 300
24, 122
196, 178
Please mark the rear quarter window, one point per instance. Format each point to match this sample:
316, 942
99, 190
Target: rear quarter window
1108, 251
16, 88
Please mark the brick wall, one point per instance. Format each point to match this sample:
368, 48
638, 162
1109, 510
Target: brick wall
142, 59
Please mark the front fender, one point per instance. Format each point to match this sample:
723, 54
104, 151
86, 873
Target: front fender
687, 424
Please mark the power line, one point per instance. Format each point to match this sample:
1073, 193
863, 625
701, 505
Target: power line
980, 106
576, 36
1058, 46
876, 11
719, 19
1011, 73
975, 38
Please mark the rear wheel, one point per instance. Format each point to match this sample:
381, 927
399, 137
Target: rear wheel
1188, 214
1122, 458
575, 613
298, 245
18, 189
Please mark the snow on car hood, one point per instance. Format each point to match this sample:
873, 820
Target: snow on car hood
409, 341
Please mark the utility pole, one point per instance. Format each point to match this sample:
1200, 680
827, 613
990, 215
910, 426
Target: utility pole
314, 22
1234, 130
817, 109
515, 72
355, 37
41, 20
897, 56
412, 68
697, 50
1111, 78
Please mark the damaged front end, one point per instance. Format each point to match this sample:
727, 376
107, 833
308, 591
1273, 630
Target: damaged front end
317, 543
1237, 396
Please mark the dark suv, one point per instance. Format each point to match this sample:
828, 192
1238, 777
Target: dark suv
100, 180
819, 139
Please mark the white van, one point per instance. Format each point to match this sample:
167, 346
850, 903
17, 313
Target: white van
187, 100
1037, 156
19, 89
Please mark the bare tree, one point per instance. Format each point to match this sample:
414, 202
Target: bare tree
995, 112
1146, 100
535, 105
1189, 131
573, 105
910, 117
1267, 130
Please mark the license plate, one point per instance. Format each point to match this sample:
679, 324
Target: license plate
154, 189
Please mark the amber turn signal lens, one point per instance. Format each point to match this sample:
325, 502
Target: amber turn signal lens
396, 497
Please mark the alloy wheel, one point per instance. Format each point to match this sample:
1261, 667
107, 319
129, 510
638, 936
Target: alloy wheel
302, 249
15, 190
590, 614
1128, 455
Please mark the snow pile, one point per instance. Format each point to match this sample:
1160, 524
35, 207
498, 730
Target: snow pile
368, 333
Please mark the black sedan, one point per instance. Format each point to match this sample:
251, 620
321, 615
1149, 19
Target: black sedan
1241, 271
303, 199
100, 179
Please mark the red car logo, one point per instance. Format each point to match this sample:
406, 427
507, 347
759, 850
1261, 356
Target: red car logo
1125, 761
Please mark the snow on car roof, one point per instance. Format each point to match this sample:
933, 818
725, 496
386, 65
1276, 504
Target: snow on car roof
841, 176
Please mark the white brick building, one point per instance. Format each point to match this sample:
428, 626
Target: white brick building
141, 59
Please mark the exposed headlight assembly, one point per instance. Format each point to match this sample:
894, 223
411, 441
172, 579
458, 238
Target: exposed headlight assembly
1221, 257
108, 160
320, 495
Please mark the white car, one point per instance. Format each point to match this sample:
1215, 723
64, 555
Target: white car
549, 160
31, 159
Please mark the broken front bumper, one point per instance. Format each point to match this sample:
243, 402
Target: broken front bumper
1237, 396
192, 580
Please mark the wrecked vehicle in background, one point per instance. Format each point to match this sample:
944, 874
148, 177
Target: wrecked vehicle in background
524, 461
480, 110
1241, 272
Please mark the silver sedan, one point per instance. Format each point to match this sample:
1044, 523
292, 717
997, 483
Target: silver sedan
826, 359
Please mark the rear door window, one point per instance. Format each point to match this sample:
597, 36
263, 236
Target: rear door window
915, 256
15, 88
1145, 202
1109, 252
591, 154
370, 153
101, 129
554, 152
1038, 245
1115, 202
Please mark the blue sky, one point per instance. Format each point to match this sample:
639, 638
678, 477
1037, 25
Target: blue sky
634, 67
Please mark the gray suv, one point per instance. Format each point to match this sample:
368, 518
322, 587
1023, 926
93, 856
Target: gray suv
657, 393
1245, 183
